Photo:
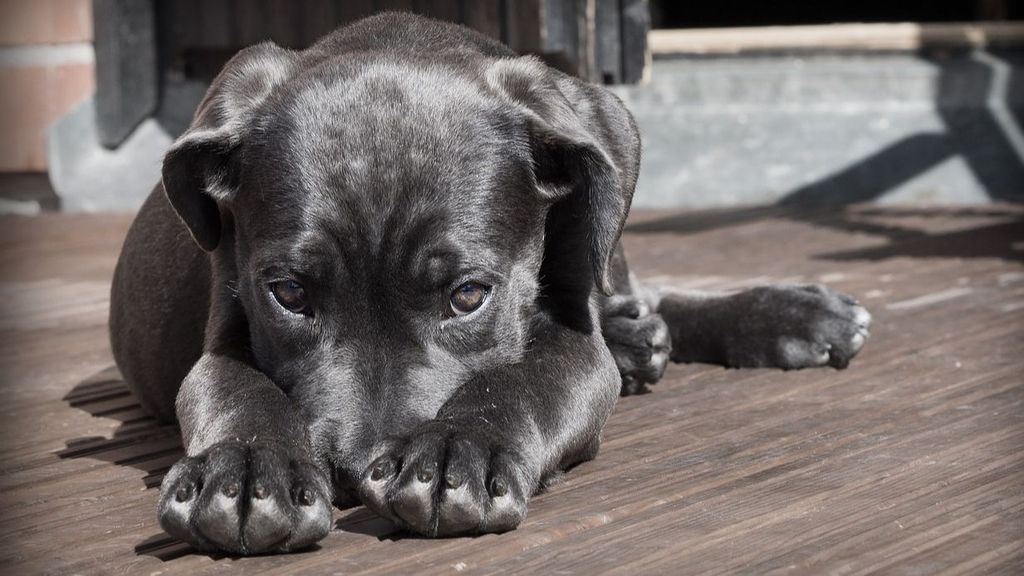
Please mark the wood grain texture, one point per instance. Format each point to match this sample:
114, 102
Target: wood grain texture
909, 462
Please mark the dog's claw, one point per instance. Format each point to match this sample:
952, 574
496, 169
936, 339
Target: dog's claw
184, 493
425, 475
383, 469
230, 490
498, 488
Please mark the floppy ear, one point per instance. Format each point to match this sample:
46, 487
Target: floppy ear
585, 151
200, 169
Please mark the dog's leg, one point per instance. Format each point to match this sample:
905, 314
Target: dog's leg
496, 440
786, 326
637, 337
249, 483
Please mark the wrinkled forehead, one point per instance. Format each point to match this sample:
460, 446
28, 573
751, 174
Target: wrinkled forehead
395, 151
389, 128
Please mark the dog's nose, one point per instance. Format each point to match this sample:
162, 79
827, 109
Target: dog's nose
346, 482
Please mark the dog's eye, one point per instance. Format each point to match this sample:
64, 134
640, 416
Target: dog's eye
469, 297
290, 295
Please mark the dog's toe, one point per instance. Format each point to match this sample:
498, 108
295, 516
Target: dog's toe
862, 318
463, 498
446, 482
218, 520
245, 499
412, 496
825, 329
641, 347
801, 353
267, 524
178, 503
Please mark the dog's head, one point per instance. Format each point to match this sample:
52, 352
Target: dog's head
390, 227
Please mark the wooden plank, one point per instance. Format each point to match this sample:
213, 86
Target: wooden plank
561, 35
908, 461
523, 25
636, 24
284, 23
448, 10
253, 21
189, 27
352, 10
316, 19
397, 5
906, 36
483, 16
213, 20
126, 72
586, 25
608, 41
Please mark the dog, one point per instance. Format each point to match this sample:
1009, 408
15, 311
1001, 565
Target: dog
386, 270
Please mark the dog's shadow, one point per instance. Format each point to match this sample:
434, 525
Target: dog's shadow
142, 442
139, 441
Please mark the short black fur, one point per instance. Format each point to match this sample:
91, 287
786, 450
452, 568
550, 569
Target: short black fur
379, 170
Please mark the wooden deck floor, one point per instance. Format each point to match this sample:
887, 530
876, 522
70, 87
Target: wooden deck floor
909, 462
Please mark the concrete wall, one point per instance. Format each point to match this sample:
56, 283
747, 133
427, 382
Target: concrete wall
831, 128
812, 128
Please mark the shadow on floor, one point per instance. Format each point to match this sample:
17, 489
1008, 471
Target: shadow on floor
165, 548
1003, 240
362, 521
139, 441
982, 126
996, 233
357, 521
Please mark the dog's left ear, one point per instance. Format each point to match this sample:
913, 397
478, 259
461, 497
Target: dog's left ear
585, 151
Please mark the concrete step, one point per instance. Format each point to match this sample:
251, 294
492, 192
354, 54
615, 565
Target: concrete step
814, 128
831, 128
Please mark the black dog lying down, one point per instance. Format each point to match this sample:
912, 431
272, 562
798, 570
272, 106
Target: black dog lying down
386, 270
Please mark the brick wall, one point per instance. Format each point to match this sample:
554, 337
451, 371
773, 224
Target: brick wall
46, 68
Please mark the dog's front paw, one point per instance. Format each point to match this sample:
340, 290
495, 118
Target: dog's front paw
798, 327
638, 340
446, 481
246, 499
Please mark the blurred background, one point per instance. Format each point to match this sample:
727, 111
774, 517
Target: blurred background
741, 102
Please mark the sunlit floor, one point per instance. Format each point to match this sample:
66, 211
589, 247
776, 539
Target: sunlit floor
909, 461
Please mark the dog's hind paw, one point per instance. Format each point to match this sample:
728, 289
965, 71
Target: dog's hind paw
800, 326
638, 340
245, 499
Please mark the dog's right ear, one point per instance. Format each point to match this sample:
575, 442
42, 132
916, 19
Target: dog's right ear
200, 170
